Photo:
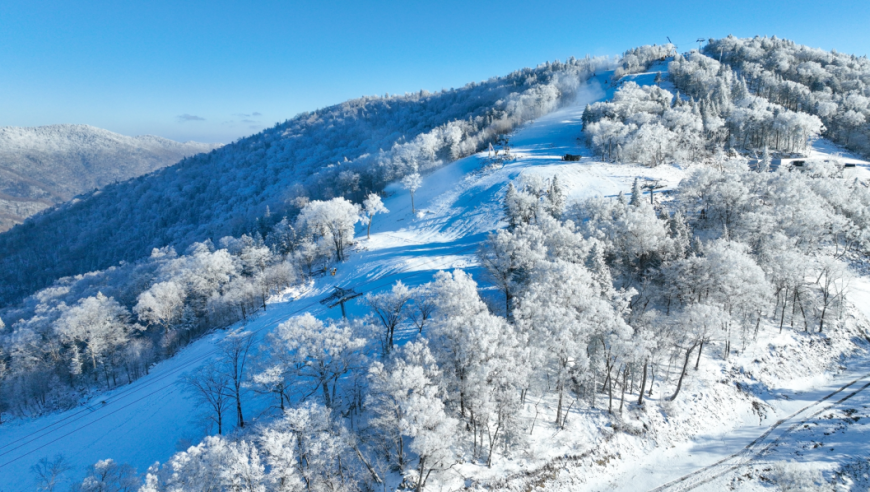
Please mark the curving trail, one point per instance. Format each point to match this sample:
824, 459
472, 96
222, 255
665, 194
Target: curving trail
763, 443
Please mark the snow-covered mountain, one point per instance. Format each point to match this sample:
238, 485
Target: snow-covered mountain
345, 150
633, 289
46, 165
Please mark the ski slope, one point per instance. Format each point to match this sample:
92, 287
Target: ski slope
457, 206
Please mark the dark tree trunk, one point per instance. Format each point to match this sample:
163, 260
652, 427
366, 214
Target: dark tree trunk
683, 372
642, 385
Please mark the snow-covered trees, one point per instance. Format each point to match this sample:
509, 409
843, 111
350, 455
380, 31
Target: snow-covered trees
505, 256
828, 85
651, 126
161, 305
624, 306
635, 237
389, 308
372, 206
305, 449
533, 198
331, 221
49, 473
99, 325
109, 476
321, 353
412, 183
234, 349
364, 143
214, 464
150, 309
406, 404
519, 206
485, 365
639, 125
563, 312
638, 59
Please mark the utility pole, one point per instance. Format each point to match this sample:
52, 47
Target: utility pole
339, 297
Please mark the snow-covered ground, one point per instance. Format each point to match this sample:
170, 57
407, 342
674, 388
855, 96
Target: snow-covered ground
457, 207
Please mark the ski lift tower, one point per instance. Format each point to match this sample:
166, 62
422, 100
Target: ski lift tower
652, 186
339, 297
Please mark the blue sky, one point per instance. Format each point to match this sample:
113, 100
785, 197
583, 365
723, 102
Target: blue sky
218, 70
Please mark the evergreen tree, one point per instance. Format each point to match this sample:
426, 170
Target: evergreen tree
635, 193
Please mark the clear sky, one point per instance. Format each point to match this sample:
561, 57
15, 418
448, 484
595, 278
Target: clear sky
217, 70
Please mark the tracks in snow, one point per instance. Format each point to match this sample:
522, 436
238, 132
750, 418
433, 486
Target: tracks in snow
764, 442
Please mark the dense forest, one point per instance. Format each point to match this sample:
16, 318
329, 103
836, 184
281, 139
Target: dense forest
607, 302
713, 111
104, 328
347, 150
830, 85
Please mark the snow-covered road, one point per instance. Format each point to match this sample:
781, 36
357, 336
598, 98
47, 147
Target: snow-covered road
774, 435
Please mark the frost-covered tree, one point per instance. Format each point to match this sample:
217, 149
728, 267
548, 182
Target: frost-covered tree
321, 353
216, 464
109, 476
506, 257
279, 454
697, 325
564, 314
372, 206
331, 221
485, 361
555, 198
98, 323
635, 194
405, 402
49, 473
211, 387
765, 162
235, 348
389, 309
161, 305
421, 308
282, 238
520, 206
322, 448
412, 183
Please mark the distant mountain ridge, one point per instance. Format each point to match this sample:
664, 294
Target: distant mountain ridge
46, 165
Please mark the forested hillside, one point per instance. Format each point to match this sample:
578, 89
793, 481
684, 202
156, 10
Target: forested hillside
630, 269
47, 165
833, 86
345, 150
